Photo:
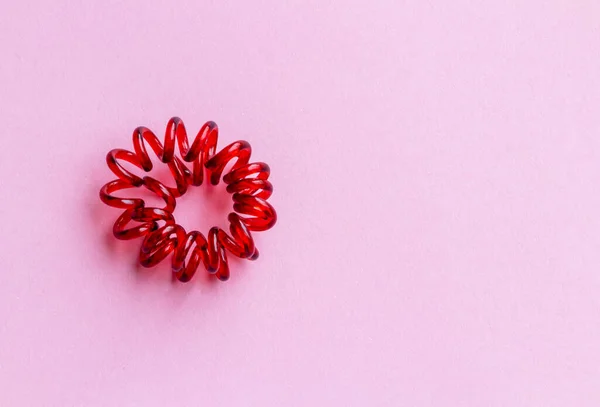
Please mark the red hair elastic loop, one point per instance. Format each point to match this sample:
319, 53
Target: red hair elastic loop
247, 182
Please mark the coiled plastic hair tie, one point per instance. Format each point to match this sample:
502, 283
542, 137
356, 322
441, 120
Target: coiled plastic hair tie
247, 182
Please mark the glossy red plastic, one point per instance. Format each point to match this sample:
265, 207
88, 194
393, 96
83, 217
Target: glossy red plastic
247, 182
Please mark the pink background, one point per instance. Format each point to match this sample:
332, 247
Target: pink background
437, 175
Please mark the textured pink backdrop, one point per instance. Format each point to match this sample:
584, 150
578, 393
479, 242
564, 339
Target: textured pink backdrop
437, 173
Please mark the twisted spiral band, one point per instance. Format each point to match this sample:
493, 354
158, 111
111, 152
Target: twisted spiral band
247, 182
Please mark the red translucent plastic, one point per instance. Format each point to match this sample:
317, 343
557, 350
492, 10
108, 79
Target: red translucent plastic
247, 182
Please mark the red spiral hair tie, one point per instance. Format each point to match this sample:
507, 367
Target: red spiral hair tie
247, 182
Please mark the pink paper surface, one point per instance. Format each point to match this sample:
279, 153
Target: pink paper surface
437, 175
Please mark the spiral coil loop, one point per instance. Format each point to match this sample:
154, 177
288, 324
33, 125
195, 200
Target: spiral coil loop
247, 182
